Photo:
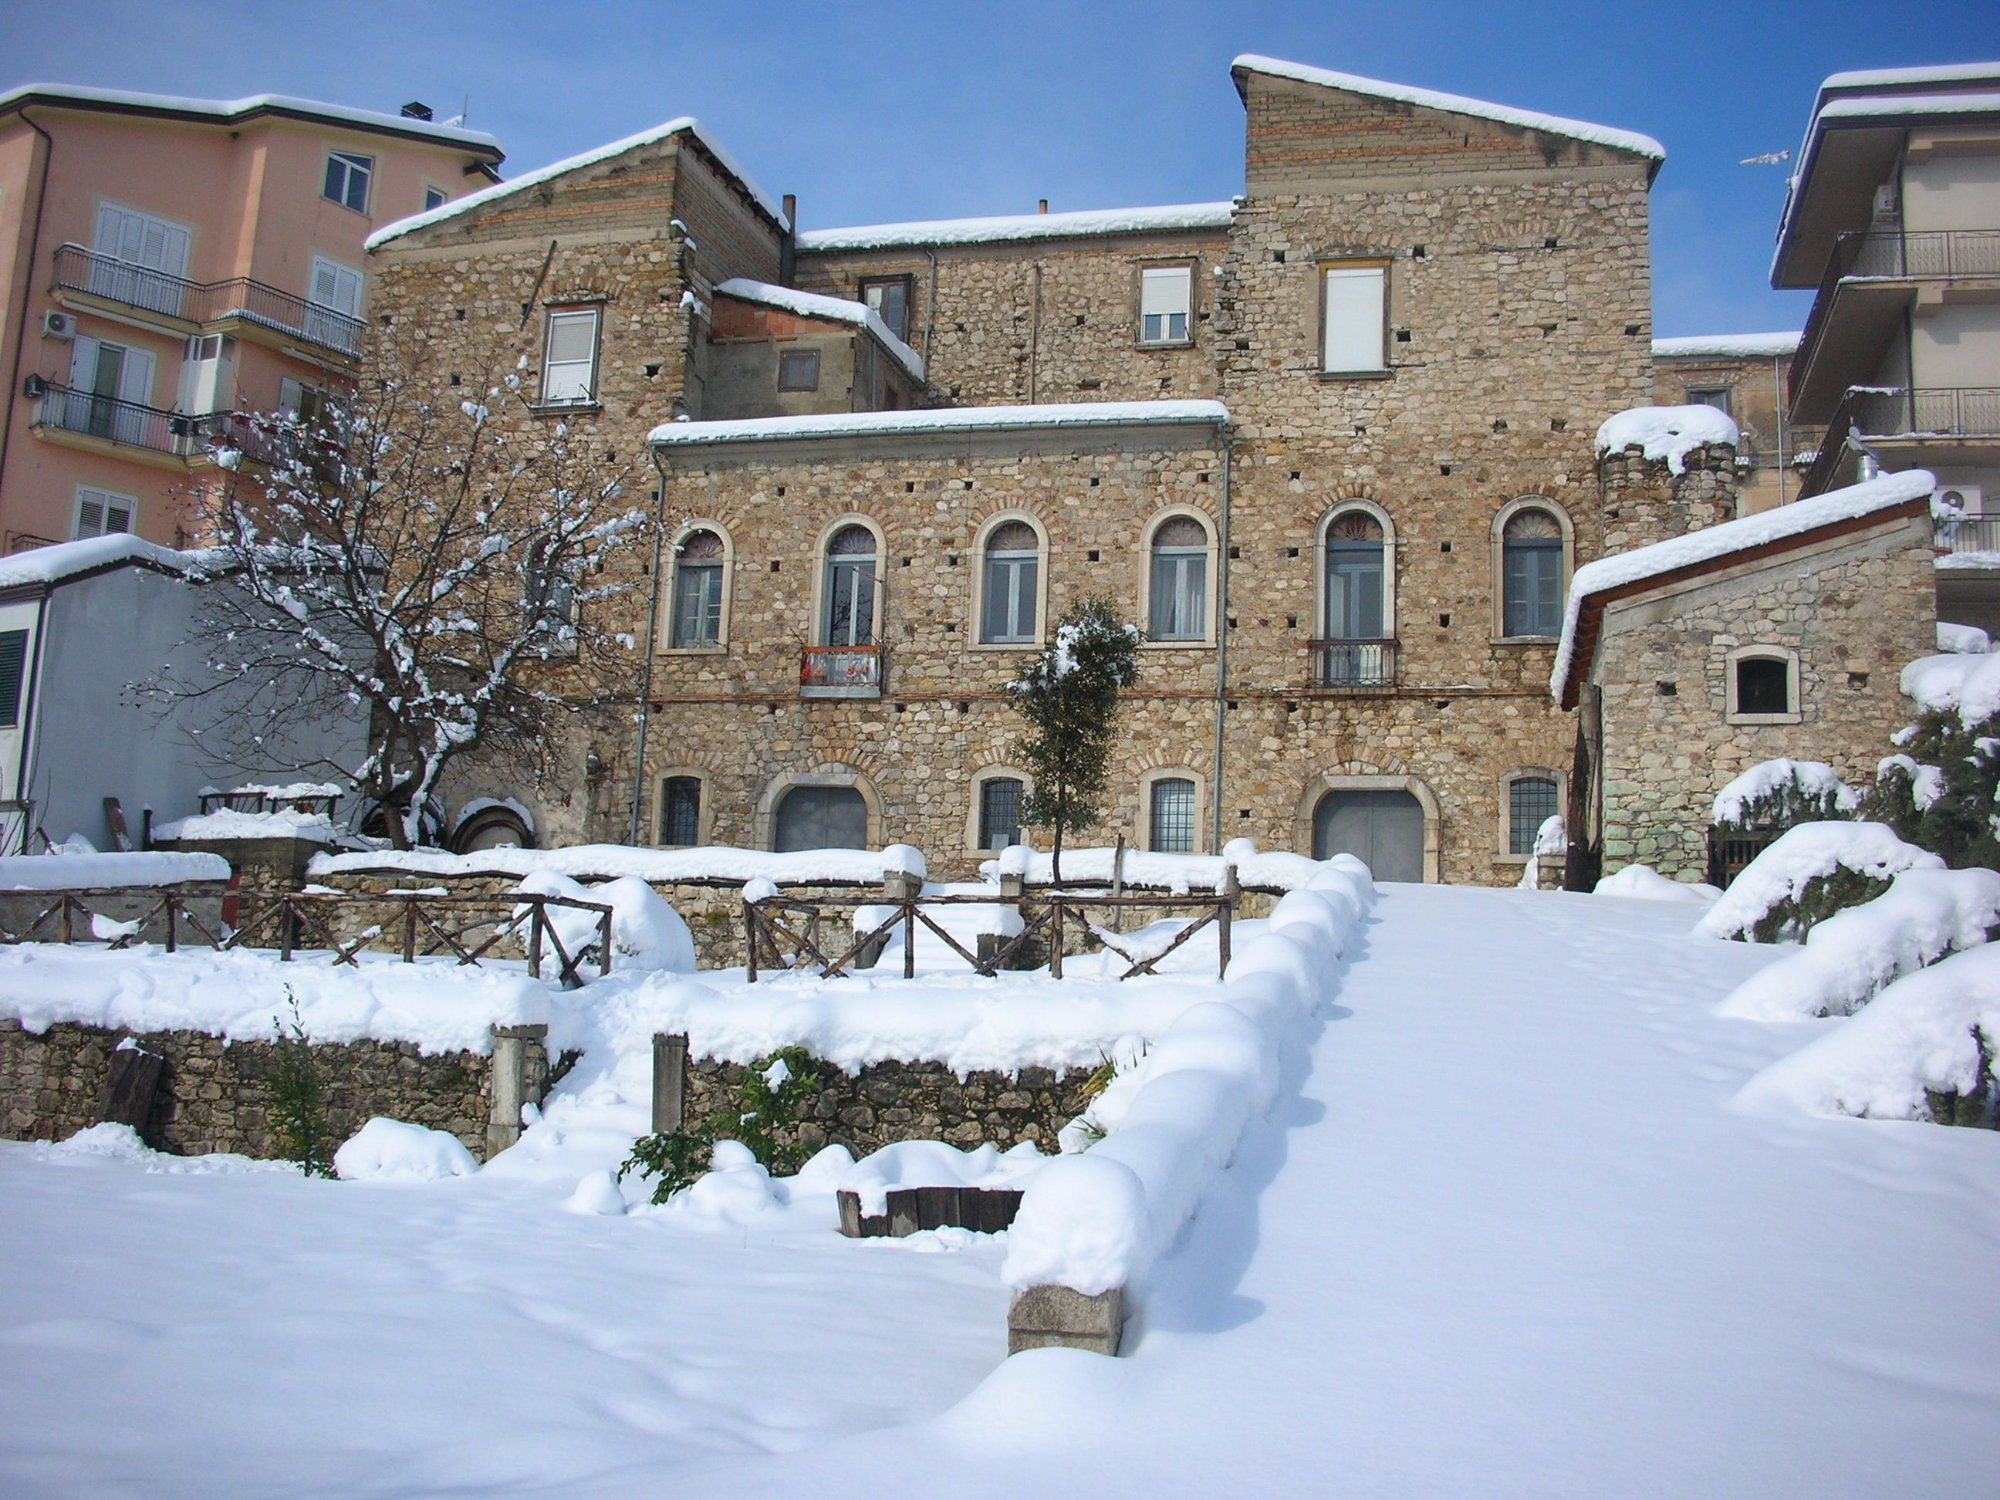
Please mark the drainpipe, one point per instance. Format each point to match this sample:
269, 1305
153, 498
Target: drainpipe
21, 324
1221, 646
652, 633
1778, 400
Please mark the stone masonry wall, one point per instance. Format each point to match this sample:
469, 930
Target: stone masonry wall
213, 1095
911, 1101
1855, 611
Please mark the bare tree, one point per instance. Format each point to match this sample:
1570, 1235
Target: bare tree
430, 561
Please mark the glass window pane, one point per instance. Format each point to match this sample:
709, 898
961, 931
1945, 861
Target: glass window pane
1763, 685
999, 812
1531, 801
1172, 830
680, 810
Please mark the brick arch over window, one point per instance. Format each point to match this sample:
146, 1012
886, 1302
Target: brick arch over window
1534, 792
1010, 582
1534, 554
1327, 783
771, 802
1177, 571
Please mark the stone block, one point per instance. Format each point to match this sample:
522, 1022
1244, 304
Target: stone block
1058, 1317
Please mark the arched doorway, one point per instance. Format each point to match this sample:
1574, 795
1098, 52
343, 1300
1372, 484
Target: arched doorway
1383, 827
820, 817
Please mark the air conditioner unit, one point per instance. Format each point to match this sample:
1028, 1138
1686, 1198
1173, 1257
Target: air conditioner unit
1886, 204
1969, 498
58, 325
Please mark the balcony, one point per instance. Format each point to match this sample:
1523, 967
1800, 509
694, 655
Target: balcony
1872, 278
208, 304
840, 672
1969, 534
1351, 666
1942, 424
126, 424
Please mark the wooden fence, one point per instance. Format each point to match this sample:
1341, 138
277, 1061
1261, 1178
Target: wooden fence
409, 925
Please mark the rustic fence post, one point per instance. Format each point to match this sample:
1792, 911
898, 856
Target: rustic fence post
170, 905
1118, 884
535, 936
1056, 940
750, 940
1232, 892
903, 888
409, 929
670, 1056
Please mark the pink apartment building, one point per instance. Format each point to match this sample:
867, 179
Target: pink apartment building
173, 264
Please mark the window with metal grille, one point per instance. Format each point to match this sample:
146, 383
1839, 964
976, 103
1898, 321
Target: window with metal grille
1177, 595
1763, 685
1008, 616
698, 591
1531, 569
13, 664
1172, 822
680, 811
1531, 801
999, 812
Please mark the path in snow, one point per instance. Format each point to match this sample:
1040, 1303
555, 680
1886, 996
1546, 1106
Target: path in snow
1507, 1238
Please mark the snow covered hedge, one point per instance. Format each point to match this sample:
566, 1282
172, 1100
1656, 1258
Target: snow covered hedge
1808, 873
1099, 1219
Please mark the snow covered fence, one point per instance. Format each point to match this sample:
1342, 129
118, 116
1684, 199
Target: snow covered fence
1092, 1224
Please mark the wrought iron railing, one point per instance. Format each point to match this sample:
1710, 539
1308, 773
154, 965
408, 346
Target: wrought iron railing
1882, 415
841, 669
1895, 255
1969, 534
1352, 664
81, 270
124, 422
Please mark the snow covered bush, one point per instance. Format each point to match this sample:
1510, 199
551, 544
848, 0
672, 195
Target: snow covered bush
386, 1150
1781, 794
760, 1126
1940, 791
1808, 874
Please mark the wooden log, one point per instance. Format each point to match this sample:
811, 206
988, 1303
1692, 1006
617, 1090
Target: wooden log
130, 1086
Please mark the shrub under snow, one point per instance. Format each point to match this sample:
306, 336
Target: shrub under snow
1772, 892
1644, 883
1934, 1032
1783, 793
393, 1150
1848, 957
646, 933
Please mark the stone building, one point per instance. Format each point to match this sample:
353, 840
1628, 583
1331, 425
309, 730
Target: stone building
1742, 375
1328, 443
1696, 658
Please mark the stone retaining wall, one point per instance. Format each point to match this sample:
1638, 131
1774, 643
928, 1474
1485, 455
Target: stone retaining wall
213, 1095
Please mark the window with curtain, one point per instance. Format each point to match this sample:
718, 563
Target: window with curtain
1531, 801
1171, 825
698, 591
847, 615
999, 812
1008, 606
1177, 591
1531, 567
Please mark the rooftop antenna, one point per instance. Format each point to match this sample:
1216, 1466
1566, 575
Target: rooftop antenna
464, 109
1768, 159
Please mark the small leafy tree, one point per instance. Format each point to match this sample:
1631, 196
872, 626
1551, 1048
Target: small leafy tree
297, 1095
1069, 696
768, 1104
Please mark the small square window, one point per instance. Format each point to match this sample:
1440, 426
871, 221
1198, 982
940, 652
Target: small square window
1164, 297
798, 370
1716, 396
102, 513
1531, 801
434, 197
347, 179
1353, 318
1763, 685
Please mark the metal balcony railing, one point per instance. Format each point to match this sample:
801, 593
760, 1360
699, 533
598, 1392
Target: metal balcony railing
81, 270
1936, 411
1969, 534
841, 671
123, 422
1352, 664
1894, 255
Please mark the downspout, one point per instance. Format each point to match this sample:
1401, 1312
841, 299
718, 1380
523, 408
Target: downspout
930, 311
27, 285
1221, 646
1035, 336
652, 634
1778, 399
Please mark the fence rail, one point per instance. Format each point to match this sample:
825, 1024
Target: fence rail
407, 925
787, 934
124, 422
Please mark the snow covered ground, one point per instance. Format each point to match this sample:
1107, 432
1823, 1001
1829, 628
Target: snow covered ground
1506, 1233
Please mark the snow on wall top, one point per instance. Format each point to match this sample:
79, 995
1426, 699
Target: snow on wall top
1728, 346
1527, 119
67, 559
1666, 432
685, 124
231, 109
1001, 227
1713, 542
590, 861
84, 872
814, 305
944, 419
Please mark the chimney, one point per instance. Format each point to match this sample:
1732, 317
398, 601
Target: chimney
1042, 206
788, 241
416, 109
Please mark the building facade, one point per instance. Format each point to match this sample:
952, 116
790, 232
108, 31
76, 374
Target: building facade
1743, 376
174, 265
1328, 443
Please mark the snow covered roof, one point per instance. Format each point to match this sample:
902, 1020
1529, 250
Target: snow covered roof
1000, 227
1526, 119
1909, 77
1728, 346
1609, 578
1079, 414
684, 125
1667, 432
65, 560
814, 305
233, 110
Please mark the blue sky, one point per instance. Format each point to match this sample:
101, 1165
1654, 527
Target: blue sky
903, 110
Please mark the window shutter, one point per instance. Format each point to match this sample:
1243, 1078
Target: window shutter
13, 662
89, 518
135, 377
1163, 303
1354, 318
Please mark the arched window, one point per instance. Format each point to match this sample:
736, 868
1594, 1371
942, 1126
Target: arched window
1170, 815
1531, 574
1011, 570
1531, 801
1354, 578
1000, 812
847, 609
1177, 581
698, 567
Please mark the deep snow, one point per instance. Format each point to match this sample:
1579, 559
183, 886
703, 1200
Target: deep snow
1507, 1232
